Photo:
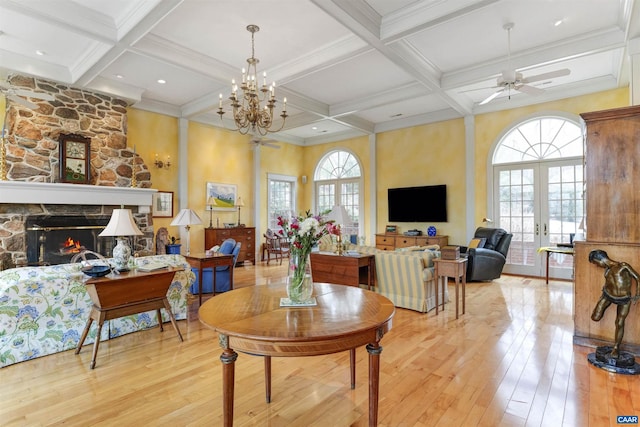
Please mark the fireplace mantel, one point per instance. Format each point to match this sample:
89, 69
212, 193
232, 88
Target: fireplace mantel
73, 194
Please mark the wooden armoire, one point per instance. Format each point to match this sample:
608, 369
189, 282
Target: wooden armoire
612, 172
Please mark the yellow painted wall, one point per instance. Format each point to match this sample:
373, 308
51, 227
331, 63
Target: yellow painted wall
153, 133
430, 154
489, 127
221, 156
287, 160
423, 155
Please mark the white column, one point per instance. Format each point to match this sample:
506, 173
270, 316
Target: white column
470, 171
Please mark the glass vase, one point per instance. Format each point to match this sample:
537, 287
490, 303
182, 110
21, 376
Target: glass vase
299, 279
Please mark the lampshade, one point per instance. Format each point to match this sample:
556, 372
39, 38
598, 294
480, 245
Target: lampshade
240, 202
186, 217
121, 224
339, 215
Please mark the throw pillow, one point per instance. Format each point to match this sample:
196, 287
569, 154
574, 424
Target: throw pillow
477, 242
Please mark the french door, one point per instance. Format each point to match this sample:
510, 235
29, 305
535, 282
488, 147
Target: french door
541, 204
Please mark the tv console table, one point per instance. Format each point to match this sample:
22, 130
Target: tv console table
390, 242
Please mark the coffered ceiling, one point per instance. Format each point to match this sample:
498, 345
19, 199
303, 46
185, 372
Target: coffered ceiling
347, 67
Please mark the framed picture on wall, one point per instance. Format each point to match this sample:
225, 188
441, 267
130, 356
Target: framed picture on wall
75, 156
162, 204
221, 197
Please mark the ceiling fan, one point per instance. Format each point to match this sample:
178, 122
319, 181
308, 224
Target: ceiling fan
513, 80
259, 141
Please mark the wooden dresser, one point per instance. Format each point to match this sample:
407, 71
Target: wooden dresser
244, 235
389, 242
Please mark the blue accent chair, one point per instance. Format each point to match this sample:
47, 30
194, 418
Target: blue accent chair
223, 282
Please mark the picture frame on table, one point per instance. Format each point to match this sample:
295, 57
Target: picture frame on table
75, 159
391, 229
221, 197
162, 204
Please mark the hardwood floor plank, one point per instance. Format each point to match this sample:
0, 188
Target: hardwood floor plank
509, 361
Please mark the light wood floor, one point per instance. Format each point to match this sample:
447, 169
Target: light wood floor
509, 361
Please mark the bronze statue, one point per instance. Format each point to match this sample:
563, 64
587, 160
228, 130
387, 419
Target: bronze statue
618, 281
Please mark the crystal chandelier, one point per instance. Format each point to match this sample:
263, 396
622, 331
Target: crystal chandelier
249, 113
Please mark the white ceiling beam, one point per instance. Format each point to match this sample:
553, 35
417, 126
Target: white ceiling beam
145, 25
602, 41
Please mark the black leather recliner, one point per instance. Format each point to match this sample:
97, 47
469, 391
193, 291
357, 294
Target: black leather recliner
486, 263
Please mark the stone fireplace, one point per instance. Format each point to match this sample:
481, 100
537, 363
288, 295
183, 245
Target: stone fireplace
33, 191
28, 209
56, 239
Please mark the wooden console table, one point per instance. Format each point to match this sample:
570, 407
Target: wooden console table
348, 270
390, 242
250, 320
118, 295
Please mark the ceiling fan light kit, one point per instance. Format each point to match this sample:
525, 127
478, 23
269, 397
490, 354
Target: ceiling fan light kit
510, 79
253, 108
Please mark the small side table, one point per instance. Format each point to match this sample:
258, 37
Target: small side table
456, 268
554, 250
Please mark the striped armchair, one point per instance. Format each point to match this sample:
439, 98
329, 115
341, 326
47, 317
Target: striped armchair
408, 278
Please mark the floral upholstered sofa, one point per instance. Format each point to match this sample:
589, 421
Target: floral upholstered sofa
406, 276
43, 310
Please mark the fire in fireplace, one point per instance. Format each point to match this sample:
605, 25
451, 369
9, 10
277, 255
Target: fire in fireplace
56, 239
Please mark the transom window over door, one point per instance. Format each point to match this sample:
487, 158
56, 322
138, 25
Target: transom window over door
538, 181
338, 180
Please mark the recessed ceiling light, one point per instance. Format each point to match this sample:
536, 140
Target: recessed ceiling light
161, 81
40, 52
119, 76
558, 22
314, 128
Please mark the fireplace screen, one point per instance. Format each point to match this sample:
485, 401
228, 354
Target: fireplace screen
56, 239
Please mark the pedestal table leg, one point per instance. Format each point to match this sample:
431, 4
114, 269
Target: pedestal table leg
374, 351
228, 359
267, 378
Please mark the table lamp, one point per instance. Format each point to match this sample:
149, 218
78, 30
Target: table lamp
187, 217
239, 204
121, 225
340, 216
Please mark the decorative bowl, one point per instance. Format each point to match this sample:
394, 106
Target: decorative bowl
97, 270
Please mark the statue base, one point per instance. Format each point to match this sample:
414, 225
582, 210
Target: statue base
624, 364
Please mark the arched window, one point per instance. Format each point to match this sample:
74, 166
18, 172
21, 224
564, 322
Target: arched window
338, 181
538, 186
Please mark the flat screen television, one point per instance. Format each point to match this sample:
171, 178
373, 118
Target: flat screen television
418, 204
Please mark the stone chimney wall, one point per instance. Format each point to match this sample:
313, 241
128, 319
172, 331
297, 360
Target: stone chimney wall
33, 150
33, 153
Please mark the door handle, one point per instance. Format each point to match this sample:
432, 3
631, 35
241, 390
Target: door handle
545, 229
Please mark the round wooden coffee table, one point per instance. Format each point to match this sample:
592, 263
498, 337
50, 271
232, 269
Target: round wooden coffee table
251, 320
